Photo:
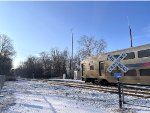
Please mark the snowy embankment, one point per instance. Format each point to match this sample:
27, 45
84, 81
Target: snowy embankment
26, 96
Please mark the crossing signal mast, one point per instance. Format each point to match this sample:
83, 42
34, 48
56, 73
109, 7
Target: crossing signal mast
131, 44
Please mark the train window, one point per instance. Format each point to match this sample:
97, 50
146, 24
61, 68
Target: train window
145, 72
116, 56
130, 56
102, 65
144, 53
130, 73
92, 67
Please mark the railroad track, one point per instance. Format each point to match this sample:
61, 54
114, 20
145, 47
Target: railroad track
145, 93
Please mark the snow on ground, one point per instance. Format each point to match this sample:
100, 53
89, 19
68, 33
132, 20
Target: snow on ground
25, 96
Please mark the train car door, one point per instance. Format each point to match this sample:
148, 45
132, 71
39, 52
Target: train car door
83, 70
101, 67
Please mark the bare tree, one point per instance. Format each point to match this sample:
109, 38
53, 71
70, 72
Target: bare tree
45, 59
32, 68
60, 61
6, 47
100, 46
57, 62
53, 64
64, 61
47, 64
6, 52
88, 46
76, 62
5, 65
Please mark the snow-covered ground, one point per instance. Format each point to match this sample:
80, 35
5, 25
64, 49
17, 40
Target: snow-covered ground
25, 96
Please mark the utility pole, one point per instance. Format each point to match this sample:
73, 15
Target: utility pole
72, 45
71, 60
130, 36
130, 32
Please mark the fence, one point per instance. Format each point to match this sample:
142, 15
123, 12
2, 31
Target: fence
2, 80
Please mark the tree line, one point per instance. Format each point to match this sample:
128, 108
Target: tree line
46, 65
6, 55
50, 64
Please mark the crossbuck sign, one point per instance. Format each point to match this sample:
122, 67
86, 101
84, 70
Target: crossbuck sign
116, 62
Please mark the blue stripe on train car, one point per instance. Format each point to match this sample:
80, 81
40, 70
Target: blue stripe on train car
135, 65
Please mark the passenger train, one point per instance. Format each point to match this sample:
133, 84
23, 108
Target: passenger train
94, 68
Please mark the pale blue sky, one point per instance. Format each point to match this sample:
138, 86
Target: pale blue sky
38, 26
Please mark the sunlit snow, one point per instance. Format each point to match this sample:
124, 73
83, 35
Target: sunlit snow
25, 96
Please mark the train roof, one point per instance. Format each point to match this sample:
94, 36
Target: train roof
89, 58
127, 50
130, 49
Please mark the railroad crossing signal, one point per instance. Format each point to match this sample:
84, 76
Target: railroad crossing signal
117, 75
116, 62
